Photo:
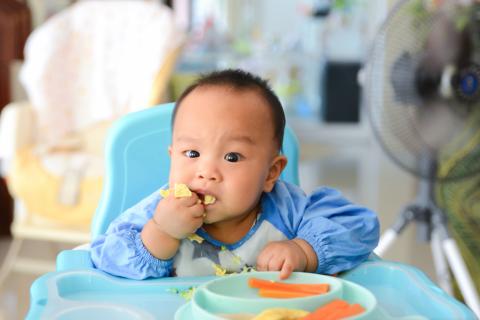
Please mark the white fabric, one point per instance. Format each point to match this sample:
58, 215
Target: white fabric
95, 61
15, 128
59, 163
16, 131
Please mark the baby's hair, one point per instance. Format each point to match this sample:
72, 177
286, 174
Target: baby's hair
241, 80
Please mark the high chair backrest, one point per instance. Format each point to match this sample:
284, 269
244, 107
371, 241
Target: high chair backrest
137, 161
96, 61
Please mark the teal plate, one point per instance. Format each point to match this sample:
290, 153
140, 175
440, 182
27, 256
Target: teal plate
216, 300
232, 295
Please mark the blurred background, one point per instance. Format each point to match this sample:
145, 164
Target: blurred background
311, 52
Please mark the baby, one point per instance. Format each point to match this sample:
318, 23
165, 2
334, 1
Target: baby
232, 212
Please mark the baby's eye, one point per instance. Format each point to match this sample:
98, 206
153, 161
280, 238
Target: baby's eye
232, 157
192, 154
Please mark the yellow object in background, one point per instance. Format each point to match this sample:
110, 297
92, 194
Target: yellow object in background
42, 203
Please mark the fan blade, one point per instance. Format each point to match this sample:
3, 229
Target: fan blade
402, 78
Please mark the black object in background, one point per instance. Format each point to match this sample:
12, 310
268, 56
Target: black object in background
6, 209
341, 92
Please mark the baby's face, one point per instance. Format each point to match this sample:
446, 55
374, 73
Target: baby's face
223, 145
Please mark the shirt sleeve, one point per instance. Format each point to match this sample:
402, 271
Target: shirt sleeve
342, 234
120, 251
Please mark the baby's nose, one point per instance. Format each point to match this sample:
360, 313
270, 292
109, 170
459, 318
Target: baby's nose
208, 172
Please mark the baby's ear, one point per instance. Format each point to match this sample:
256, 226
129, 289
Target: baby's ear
276, 168
170, 151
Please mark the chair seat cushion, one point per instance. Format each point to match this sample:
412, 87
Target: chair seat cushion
60, 188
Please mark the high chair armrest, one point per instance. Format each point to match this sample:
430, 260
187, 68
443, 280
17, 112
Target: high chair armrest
16, 128
74, 260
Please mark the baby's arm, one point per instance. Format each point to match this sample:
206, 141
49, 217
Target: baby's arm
334, 234
120, 251
310, 254
342, 234
174, 219
141, 242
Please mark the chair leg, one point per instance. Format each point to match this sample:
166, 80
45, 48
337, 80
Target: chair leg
10, 258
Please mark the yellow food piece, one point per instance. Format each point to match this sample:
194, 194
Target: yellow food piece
219, 271
186, 294
281, 314
195, 237
237, 259
164, 193
181, 190
209, 199
247, 269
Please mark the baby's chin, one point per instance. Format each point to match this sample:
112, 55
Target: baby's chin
213, 217
209, 220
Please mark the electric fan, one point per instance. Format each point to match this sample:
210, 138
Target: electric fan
422, 91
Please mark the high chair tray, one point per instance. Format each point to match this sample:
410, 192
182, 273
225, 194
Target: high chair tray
401, 292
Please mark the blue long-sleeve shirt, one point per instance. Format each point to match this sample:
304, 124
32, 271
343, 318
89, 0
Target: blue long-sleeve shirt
342, 235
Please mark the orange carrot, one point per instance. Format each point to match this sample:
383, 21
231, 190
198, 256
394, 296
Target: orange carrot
326, 310
349, 311
283, 294
299, 287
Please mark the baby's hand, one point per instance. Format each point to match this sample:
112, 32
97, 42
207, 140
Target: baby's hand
179, 216
284, 256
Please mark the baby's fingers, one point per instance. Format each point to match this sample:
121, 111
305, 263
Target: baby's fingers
275, 264
263, 260
191, 201
268, 261
286, 270
197, 210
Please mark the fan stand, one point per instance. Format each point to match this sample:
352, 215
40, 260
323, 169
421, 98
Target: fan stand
432, 227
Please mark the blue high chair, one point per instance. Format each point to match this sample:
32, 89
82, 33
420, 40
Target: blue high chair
138, 164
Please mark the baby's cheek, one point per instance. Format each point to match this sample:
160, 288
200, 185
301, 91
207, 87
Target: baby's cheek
246, 196
177, 174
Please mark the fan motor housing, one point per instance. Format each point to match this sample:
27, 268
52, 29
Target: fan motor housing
467, 83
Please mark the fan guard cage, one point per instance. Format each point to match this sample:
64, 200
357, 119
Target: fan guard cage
398, 124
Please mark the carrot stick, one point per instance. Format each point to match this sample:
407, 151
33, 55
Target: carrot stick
300, 287
349, 311
283, 294
324, 311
